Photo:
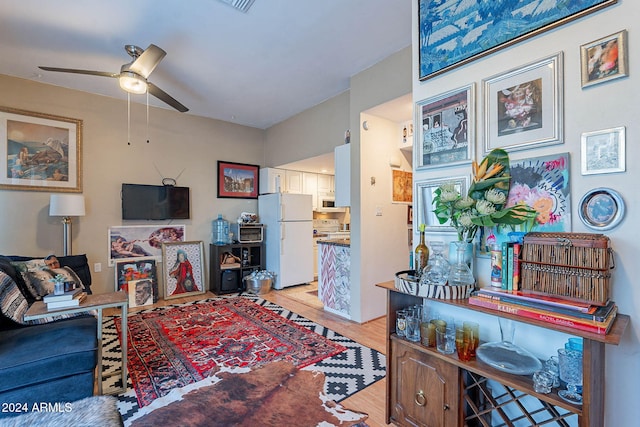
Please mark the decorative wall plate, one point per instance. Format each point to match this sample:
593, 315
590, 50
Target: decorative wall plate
601, 209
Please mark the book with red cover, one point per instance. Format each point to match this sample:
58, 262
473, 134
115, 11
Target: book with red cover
596, 313
581, 324
547, 299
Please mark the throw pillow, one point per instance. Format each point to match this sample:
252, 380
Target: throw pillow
13, 304
40, 281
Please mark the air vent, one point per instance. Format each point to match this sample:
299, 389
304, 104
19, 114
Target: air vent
241, 5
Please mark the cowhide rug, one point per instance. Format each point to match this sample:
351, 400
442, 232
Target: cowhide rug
277, 394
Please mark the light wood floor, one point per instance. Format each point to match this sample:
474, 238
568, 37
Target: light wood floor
302, 300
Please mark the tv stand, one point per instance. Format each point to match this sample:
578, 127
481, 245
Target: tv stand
427, 388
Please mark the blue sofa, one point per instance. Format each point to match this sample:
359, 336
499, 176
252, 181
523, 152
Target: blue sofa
48, 361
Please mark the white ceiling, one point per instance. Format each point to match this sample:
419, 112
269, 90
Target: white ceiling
256, 68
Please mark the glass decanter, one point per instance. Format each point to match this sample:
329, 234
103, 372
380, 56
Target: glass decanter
460, 274
437, 270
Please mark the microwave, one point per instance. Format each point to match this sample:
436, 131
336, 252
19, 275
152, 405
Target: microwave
248, 233
328, 202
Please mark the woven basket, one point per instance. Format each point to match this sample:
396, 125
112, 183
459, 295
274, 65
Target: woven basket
405, 281
576, 266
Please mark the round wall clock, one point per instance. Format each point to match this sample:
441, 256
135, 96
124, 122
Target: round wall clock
601, 209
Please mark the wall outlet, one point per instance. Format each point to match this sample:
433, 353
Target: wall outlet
378, 210
97, 267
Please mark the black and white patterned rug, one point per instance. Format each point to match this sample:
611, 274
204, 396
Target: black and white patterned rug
345, 373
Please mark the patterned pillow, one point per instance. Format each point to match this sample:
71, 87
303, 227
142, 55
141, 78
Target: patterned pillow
13, 304
40, 283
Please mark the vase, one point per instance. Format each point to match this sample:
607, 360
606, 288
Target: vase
468, 253
460, 274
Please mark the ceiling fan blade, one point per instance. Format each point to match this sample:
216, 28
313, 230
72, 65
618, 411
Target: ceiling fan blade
165, 97
72, 70
148, 61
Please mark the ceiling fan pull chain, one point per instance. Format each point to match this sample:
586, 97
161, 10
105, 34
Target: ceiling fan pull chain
147, 117
128, 118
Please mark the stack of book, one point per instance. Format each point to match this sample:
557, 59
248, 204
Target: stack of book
511, 265
552, 309
71, 298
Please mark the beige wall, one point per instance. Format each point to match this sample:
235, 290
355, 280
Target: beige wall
598, 107
182, 146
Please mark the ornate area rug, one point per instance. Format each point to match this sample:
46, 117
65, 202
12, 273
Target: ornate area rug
346, 372
181, 345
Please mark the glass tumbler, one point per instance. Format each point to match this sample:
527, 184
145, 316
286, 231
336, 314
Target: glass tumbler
401, 323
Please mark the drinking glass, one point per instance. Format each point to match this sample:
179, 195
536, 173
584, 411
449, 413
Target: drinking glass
472, 332
446, 339
413, 327
542, 381
401, 322
463, 344
570, 362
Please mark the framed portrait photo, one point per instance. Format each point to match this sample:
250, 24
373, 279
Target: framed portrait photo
603, 151
40, 152
604, 59
183, 269
237, 180
446, 129
524, 106
133, 270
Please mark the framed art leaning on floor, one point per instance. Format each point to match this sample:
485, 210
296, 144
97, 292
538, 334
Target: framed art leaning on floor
183, 268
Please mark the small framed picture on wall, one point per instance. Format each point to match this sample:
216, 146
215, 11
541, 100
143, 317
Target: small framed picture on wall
604, 59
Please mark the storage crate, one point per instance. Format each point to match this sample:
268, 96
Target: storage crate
576, 266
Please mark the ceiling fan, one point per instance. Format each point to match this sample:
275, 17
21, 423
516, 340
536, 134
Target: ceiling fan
133, 75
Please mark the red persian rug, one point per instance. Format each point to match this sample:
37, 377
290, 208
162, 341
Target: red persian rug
175, 347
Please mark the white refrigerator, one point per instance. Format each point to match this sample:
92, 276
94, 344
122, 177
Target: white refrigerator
288, 221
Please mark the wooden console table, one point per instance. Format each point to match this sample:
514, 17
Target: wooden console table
427, 388
38, 310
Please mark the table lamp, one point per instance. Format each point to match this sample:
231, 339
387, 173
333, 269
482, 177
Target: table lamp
66, 206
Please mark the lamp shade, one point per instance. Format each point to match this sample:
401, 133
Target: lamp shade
66, 205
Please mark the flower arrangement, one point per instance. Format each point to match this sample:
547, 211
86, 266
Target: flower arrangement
484, 204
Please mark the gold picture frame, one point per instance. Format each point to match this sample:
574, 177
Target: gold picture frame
40, 152
183, 276
604, 59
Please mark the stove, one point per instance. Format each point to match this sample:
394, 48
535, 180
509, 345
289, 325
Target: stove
322, 227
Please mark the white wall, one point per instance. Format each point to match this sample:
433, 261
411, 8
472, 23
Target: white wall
599, 107
181, 146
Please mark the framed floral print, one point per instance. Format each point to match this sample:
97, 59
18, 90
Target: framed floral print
604, 59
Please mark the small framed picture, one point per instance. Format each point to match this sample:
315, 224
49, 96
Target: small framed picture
446, 129
603, 151
604, 59
524, 106
237, 180
601, 209
138, 269
140, 293
183, 267
402, 188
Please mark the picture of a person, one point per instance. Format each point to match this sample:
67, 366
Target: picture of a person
144, 295
183, 273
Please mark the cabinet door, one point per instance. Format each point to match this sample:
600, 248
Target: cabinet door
424, 389
272, 180
294, 181
325, 183
310, 186
343, 175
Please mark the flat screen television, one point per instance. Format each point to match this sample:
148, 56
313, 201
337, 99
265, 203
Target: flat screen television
155, 202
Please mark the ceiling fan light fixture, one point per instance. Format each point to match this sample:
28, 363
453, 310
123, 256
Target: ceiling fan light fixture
132, 83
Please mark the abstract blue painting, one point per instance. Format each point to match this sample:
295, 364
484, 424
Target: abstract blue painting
454, 32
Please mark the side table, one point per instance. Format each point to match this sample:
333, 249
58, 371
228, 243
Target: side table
38, 310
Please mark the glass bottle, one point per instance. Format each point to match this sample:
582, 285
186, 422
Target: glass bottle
421, 255
437, 270
460, 274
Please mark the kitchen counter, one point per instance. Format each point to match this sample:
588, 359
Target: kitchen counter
335, 242
334, 275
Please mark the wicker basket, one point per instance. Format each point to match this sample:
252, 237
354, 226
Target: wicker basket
406, 282
576, 266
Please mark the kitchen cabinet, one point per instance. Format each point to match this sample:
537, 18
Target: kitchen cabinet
310, 186
325, 184
479, 384
226, 273
342, 165
293, 181
272, 180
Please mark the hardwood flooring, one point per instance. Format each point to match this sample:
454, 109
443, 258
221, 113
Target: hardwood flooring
302, 300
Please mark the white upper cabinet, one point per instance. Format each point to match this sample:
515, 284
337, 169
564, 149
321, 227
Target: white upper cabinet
272, 180
310, 186
294, 181
325, 184
343, 175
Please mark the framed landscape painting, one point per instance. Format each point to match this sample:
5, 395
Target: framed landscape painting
237, 180
456, 32
40, 152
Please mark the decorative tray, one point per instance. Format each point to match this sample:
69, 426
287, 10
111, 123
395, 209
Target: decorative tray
507, 357
407, 282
